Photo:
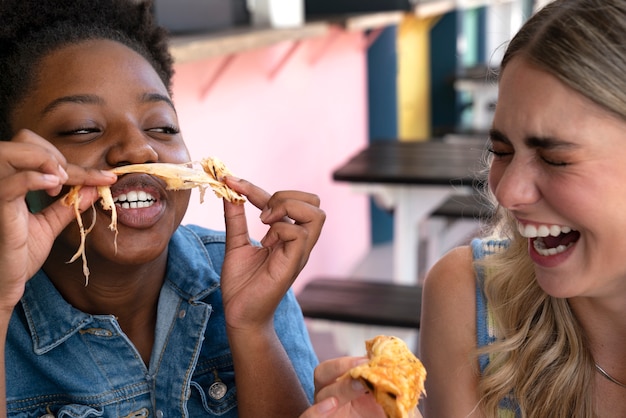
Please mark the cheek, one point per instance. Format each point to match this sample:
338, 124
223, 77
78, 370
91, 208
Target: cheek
494, 176
174, 152
182, 202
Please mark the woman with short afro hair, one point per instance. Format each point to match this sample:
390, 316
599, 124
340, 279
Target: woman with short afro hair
174, 321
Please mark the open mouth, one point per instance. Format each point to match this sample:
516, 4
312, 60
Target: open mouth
134, 199
549, 240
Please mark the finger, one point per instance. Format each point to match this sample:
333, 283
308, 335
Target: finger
79, 176
321, 409
310, 198
301, 206
330, 370
236, 225
289, 244
17, 185
305, 215
345, 390
257, 196
58, 215
282, 233
29, 157
302, 212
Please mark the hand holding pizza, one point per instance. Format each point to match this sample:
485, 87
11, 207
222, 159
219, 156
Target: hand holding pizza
339, 396
386, 384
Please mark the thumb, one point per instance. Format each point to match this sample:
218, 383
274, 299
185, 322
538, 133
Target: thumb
236, 225
59, 214
321, 409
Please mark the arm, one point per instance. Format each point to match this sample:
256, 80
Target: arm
254, 281
4, 325
448, 337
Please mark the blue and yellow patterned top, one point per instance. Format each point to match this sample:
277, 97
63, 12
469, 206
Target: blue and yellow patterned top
485, 331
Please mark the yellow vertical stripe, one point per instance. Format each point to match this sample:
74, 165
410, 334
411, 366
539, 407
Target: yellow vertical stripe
413, 84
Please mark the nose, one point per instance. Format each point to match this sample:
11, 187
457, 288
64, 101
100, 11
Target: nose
131, 146
515, 185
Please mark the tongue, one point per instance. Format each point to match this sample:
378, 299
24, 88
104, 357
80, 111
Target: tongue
562, 239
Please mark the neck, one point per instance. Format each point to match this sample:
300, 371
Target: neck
604, 325
129, 294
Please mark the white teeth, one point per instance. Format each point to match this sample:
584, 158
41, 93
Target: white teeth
542, 250
135, 200
532, 231
528, 231
543, 231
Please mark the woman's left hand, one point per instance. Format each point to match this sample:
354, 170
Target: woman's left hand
254, 279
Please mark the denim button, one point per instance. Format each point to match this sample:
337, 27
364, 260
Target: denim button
217, 390
159, 414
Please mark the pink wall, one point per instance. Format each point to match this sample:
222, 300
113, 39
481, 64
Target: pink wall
285, 127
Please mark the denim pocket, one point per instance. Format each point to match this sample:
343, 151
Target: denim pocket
78, 411
214, 388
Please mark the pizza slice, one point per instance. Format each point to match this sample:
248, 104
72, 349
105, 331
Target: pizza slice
393, 374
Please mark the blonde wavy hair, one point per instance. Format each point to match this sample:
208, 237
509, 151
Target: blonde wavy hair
540, 357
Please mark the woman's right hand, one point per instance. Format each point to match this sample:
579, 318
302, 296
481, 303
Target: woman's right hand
339, 396
30, 163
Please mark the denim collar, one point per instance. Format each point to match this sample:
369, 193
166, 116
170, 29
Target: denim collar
190, 273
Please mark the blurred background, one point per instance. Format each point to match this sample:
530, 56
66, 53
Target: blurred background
286, 91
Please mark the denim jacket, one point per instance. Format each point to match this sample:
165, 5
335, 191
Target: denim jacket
61, 362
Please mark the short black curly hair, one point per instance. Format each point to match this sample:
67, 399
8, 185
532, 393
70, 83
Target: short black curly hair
31, 29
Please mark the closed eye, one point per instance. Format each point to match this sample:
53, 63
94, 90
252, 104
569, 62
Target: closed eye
499, 154
79, 131
170, 130
554, 162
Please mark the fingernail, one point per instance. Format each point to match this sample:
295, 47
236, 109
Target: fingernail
360, 361
50, 179
232, 178
358, 386
63, 173
265, 213
327, 405
109, 174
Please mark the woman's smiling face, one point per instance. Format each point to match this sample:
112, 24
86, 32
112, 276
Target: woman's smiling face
559, 167
103, 105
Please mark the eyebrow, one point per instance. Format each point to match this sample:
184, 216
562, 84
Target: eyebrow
532, 141
93, 99
77, 98
157, 97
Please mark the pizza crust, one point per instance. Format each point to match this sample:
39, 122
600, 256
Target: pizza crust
393, 374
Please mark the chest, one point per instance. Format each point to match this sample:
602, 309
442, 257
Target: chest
610, 399
98, 371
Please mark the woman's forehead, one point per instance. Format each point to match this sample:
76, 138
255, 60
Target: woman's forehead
96, 65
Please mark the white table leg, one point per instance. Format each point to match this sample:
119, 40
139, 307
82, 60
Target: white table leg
412, 206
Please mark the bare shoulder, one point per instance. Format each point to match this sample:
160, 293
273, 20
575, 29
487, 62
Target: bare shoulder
453, 275
448, 335
449, 298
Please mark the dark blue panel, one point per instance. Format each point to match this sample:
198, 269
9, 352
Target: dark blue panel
383, 112
444, 63
382, 69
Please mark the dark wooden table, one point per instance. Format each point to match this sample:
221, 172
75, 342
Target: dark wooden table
414, 179
362, 302
428, 163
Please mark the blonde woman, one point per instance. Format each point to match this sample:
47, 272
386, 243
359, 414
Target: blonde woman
531, 322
